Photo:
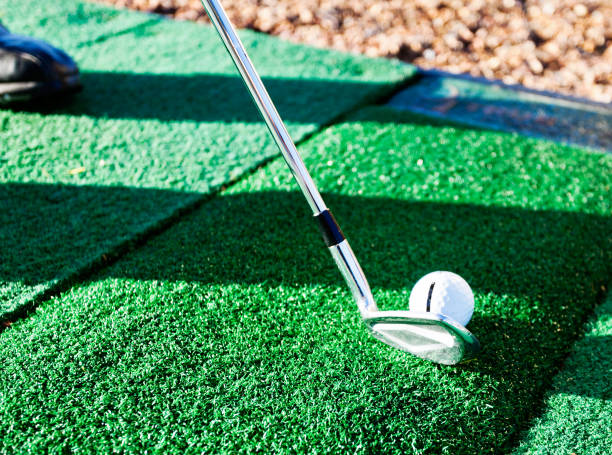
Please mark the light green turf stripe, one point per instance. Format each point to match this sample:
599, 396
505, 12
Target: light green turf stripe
578, 415
68, 24
233, 331
163, 108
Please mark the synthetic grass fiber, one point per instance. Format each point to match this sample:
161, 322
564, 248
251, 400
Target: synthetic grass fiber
68, 24
233, 331
578, 417
163, 108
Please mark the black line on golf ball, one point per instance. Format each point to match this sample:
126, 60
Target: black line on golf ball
429, 296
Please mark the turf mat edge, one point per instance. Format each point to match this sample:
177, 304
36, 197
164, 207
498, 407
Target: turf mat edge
578, 408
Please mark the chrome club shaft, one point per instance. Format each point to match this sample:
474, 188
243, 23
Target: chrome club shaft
338, 245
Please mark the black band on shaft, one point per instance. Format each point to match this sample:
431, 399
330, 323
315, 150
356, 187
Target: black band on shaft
329, 228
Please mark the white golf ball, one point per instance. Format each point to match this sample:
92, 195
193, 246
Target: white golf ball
443, 293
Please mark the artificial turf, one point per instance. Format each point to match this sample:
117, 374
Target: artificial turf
163, 108
578, 416
233, 331
68, 24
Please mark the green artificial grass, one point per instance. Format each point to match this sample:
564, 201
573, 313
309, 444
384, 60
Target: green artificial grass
163, 108
51, 233
233, 331
68, 24
578, 416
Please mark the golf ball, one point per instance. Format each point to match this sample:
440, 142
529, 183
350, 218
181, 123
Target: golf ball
443, 293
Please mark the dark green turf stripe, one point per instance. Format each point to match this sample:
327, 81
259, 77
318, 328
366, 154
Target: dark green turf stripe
51, 233
233, 331
162, 108
578, 415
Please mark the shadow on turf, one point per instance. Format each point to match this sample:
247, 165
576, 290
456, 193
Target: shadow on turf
556, 263
206, 97
216, 98
523, 252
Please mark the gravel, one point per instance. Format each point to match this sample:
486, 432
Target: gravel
557, 45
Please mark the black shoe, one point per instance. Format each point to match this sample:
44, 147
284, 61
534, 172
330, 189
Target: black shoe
31, 69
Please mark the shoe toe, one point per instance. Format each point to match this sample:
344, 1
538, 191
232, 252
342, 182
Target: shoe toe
35, 67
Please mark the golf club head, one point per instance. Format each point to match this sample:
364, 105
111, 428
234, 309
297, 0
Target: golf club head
430, 336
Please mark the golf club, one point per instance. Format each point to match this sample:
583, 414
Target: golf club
430, 336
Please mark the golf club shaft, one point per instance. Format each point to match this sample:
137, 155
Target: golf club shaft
264, 103
338, 246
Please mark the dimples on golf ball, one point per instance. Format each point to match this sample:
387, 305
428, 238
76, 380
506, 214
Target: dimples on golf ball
443, 293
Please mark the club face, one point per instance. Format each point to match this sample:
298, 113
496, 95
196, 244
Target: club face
430, 336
